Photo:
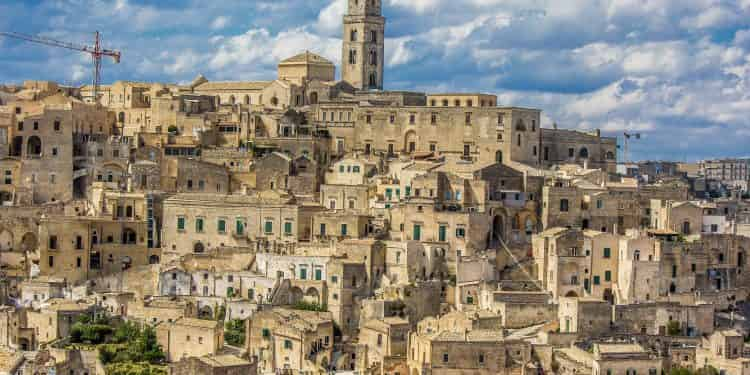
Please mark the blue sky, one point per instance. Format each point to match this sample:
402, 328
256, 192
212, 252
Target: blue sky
677, 71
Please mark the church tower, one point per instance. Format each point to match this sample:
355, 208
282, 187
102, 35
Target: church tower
363, 47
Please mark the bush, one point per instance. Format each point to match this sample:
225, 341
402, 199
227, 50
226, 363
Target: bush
234, 333
173, 130
310, 306
137, 346
134, 369
82, 333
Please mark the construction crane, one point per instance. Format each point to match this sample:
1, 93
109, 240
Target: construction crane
96, 51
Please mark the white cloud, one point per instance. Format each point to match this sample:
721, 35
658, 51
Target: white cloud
220, 23
77, 73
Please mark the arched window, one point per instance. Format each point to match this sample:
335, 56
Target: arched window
274, 101
499, 157
352, 57
584, 153
373, 36
247, 99
373, 58
353, 35
121, 117
610, 155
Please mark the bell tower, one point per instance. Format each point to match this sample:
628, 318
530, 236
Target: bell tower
363, 47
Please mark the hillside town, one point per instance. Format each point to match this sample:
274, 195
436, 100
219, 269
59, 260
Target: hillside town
309, 225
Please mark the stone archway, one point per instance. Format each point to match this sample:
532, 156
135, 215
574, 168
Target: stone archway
312, 296
29, 242
295, 295
571, 294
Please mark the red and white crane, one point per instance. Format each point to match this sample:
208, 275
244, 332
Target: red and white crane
96, 51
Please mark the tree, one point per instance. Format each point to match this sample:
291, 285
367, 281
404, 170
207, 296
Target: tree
673, 328
234, 333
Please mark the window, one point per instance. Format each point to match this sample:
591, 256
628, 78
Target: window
318, 274
199, 225
460, 232
353, 35
373, 36
607, 275
352, 57
599, 204
469, 103
51, 261
222, 226
20, 125
323, 230
596, 280
180, 223
412, 119
53, 242
303, 273
343, 230
445, 357
563, 205
571, 152
8, 177
442, 230
288, 228
392, 118
368, 118
240, 227
57, 125
266, 332
467, 150
268, 227
607, 252
417, 235
468, 118
481, 358
433, 118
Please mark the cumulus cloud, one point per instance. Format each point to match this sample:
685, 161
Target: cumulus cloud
220, 23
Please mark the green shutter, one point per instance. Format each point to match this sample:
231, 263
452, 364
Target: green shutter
596, 280
269, 227
322, 229
607, 252
199, 225
318, 274
240, 228
417, 233
442, 233
408, 191
343, 229
222, 226
180, 223
303, 273
288, 228
388, 193
607, 276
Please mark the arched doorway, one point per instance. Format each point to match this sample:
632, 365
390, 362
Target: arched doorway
128, 237
205, 312
34, 146
609, 296
410, 142
584, 153
498, 157
571, 294
296, 295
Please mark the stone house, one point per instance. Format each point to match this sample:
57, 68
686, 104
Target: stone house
189, 337
293, 340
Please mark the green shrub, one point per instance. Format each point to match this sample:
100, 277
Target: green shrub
234, 333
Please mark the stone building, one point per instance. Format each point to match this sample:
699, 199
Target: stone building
212, 221
479, 351
188, 337
223, 364
293, 340
624, 359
